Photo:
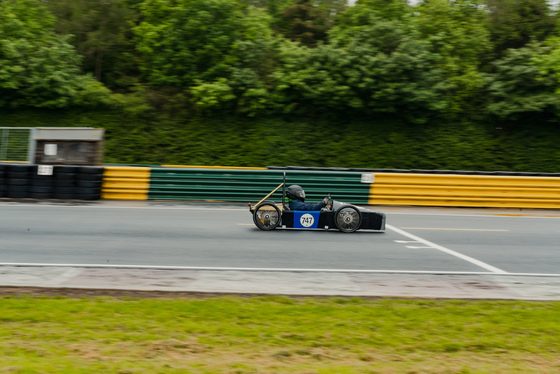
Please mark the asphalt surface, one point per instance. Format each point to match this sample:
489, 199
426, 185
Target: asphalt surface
187, 247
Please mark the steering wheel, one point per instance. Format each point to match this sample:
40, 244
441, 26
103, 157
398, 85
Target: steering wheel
328, 206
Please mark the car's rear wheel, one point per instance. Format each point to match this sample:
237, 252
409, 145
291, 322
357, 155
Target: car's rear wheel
348, 219
266, 216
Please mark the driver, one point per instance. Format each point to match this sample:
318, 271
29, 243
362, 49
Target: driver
296, 198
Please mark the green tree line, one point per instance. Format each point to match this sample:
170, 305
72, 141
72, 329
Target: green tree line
462, 84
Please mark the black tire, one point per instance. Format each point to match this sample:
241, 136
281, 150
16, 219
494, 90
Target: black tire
64, 196
88, 196
44, 182
89, 177
64, 183
267, 216
65, 176
43, 177
18, 188
18, 182
17, 194
348, 219
89, 184
66, 169
91, 170
65, 190
41, 189
87, 191
22, 168
18, 174
39, 195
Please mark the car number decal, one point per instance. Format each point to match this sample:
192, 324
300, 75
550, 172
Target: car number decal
306, 220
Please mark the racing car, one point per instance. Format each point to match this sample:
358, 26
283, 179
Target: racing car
267, 215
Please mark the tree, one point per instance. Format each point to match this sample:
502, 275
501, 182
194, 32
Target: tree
367, 12
456, 31
39, 68
100, 33
206, 47
187, 40
273, 7
525, 85
514, 23
307, 21
382, 67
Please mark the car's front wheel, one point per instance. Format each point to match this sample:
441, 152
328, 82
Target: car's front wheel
348, 219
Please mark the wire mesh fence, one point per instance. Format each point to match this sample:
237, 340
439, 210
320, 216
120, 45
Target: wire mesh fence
15, 144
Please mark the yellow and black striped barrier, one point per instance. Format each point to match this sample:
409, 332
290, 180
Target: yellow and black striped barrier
126, 183
465, 190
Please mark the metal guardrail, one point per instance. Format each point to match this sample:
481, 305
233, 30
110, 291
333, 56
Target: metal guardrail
125, 183
419, 171
465, 191
250, 185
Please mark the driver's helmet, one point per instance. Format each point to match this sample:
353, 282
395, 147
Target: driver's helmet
295, 192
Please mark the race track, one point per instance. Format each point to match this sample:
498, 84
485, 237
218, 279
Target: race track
182, 235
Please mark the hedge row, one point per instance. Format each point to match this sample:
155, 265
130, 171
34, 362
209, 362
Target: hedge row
368, 143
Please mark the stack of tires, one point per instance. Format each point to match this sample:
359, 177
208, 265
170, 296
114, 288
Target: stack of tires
17, 180
2, 180
88, 183
65, 182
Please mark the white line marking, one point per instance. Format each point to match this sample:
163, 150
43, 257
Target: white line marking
405, 241
23, 205
155, 267
412, 247
447, 229
447, 250
486, 215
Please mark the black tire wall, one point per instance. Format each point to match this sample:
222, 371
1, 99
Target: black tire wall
66, 182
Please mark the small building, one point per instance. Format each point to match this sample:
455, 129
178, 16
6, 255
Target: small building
68, 146
52, 145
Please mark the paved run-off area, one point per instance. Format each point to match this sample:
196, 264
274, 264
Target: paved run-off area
461, 286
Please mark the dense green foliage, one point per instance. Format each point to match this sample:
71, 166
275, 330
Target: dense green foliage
39, 68
373, 143
465, 84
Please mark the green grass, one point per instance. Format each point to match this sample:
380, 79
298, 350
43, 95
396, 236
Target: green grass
276, 335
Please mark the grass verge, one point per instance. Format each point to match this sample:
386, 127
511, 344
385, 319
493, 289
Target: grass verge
276, 335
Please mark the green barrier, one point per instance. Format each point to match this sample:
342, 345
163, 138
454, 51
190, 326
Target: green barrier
252, 185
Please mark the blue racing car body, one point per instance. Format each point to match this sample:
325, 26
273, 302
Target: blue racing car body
345, 217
